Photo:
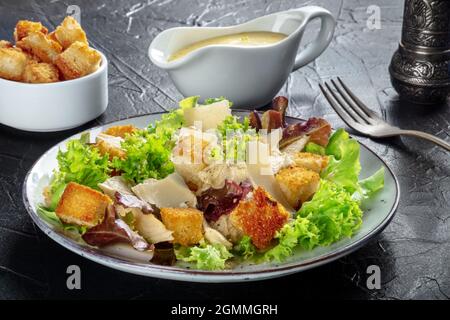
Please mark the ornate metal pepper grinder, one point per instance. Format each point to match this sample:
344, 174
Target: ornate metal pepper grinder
420, 68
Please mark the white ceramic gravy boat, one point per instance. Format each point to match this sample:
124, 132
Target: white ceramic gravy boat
248, 76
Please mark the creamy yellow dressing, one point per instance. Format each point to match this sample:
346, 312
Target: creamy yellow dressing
250, 39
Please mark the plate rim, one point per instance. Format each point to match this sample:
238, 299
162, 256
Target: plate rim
176, 273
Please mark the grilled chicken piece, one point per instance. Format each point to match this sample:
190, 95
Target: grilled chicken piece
110, 145
310, 161
298, 184
226, 227
215, 237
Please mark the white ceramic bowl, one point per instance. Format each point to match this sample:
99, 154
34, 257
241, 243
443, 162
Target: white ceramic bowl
54, 106
248, 76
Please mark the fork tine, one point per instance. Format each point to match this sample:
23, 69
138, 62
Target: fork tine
339, 110
358, 102
356, 111
344, 106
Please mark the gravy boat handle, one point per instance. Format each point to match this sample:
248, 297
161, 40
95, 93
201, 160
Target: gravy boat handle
315, 48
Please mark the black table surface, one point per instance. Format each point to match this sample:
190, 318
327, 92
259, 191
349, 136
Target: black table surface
413, 252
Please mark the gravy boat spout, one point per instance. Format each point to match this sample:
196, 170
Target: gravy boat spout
250, 76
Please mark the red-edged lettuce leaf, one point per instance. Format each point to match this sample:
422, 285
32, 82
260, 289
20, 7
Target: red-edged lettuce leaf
271, 120
317, 129
113, 230
216, 202
281, 104
255, 120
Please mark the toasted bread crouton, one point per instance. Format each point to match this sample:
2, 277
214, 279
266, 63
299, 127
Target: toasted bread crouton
29, 55
12, 64
186, 224
69, 32
40, 73
120, 131
82, 205
310, 161
25, 27
298, 184
41, 46
5, 44
78, 60
259, 217
110, 145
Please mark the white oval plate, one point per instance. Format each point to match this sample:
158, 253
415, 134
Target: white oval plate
378, 213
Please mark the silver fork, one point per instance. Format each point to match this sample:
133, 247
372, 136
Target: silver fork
363, 120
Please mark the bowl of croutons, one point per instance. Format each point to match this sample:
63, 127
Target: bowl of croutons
51, 81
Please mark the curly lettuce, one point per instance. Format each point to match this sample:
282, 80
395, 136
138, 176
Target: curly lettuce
334, 211
344, 166
205, 256
331, 215
245, 248
149, 151
235, 135
80, 163
148, 156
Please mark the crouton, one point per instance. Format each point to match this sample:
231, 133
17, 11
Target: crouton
41, 46
259, 217
110, 145
52, 36
40, 73
77, 61
12, 64
30, 57
5, 44
298, 184
310, 161
186, 224
120, 131
69, 32
82, 205
24, 28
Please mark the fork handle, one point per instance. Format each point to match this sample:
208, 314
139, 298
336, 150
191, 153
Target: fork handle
426, 136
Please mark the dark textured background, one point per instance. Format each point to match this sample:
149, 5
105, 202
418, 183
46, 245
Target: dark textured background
413, 252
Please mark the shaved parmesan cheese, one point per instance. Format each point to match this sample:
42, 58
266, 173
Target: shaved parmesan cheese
170, 192
208, 116
115, 184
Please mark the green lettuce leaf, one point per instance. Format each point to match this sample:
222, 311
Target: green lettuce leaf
205, 256
214, 100
299, 232
372, 184
245, 248
331, 215
149, 151
312, 147
333, 211
148, 156
80, 163
344, 166
235, 135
